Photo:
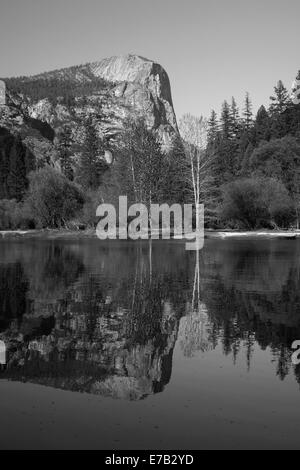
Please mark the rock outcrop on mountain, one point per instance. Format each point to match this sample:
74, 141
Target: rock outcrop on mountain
112, 90
37, 112
36, 136
26, 144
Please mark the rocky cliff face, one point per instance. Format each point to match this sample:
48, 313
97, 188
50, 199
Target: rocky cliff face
112, 90
144, 87
37, 137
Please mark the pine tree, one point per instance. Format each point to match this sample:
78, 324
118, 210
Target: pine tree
213, 127
5, 143
176, 168
262, 126
227, 150
280, 101
234, 119
16, 180
153, 162
92, 166
64, 149
247, 113
226, 121
279, 104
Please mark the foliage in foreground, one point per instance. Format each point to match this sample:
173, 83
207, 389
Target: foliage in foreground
254, 203
52, 199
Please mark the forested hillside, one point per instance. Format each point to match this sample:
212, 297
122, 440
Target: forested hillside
257, 162
244, 168
56, 88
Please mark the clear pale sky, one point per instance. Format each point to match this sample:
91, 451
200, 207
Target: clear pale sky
211, 49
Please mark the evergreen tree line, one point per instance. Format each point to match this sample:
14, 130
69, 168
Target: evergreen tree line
16, 161
55, 89
257, 163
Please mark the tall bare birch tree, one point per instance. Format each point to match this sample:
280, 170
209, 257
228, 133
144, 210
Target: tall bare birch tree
200, 180
194, 132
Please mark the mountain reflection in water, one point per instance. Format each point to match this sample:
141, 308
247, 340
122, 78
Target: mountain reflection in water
104, 318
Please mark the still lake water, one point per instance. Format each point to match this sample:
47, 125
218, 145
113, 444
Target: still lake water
111, 345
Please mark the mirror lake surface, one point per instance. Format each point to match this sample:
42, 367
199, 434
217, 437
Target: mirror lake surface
119, 345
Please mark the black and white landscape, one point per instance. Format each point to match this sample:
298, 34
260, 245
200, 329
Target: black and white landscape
142, 344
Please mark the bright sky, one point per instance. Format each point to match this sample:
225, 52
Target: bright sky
211, 49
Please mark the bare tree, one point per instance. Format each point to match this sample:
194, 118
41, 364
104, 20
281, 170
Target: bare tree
200, 178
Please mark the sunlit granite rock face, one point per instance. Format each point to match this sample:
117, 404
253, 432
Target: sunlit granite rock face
39, 109
131, 86
143, 85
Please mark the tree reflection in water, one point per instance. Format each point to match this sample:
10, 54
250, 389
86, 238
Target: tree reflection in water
104, 318
194, 332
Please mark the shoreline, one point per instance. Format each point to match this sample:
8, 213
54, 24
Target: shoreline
58, 234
